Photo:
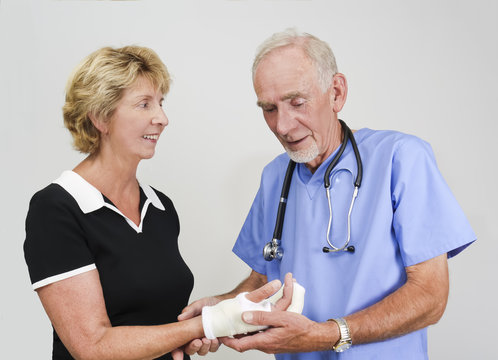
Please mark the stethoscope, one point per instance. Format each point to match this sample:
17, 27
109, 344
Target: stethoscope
272, 249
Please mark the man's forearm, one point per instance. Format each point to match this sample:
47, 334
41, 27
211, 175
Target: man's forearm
254, 281
416, 305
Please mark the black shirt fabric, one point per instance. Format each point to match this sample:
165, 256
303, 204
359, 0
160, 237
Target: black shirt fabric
71, 228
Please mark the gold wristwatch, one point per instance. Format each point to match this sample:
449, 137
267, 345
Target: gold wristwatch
344, 341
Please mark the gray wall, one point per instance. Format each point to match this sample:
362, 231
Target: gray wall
423, 67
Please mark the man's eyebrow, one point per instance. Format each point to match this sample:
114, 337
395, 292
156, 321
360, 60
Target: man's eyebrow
263, 104
291, 95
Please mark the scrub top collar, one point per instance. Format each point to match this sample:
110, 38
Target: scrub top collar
90, 199
347, 162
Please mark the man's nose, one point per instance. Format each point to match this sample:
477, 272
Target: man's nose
285, 122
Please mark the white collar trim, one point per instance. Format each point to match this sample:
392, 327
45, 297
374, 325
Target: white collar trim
90, 199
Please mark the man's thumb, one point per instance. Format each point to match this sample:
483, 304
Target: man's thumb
248, 317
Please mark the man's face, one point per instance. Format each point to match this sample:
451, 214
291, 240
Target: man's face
295, 108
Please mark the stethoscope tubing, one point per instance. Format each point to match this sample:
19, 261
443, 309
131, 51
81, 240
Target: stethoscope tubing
273, 249
277, 232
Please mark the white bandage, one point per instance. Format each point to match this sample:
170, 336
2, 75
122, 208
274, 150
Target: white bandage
225, 318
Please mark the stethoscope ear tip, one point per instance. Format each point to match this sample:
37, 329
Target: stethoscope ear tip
350, 249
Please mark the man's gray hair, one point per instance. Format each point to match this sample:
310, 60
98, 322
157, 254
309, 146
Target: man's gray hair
318, 51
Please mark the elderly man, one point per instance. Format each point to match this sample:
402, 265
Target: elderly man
375, 272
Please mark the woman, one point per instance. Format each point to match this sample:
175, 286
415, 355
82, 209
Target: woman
101, 247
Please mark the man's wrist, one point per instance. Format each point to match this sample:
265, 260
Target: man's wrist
345, 341
324, 336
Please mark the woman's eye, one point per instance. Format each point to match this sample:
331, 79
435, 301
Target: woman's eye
143, 105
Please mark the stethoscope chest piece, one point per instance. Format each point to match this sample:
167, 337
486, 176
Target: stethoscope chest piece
273, 250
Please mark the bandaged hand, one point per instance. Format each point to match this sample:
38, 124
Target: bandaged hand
225, 318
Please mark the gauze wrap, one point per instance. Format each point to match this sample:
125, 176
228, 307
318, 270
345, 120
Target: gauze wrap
225, 318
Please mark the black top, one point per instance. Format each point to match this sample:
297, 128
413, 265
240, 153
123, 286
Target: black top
71, 228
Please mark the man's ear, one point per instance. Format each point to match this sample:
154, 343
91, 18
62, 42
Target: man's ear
99, 124
339, 92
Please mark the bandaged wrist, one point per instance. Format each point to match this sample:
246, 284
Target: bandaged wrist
225, 318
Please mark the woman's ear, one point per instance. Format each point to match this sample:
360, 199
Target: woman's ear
99, 124
339, 92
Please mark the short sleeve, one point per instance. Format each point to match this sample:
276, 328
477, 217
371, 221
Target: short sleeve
427, 221
248, 246
55, 247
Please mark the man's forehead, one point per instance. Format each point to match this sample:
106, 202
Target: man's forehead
287, 72
281, 88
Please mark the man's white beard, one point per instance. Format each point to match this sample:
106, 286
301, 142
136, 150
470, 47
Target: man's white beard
304, 155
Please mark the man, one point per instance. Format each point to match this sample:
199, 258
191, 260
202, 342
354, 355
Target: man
405, 223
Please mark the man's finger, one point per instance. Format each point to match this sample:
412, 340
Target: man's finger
195, 308
273, 319
177, 354
264, 291
215, 345
186, 314
284, 302
204, 349
243, 343
192, 347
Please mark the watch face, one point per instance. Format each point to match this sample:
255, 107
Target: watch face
342, 347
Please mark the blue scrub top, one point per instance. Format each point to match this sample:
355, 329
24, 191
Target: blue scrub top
404, 214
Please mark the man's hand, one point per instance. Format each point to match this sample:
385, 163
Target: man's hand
196, 346
289, 332
195, 309
204, 345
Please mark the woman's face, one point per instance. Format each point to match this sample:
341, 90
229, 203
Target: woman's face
137, 122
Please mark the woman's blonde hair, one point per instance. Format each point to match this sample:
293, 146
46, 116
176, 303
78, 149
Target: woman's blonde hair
97, 84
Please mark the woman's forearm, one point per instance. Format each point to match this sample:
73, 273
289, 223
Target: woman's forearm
138, 342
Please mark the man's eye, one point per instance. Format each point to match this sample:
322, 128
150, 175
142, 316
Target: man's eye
269, 109
297, 102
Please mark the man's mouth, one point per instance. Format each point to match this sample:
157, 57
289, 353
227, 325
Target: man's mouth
296, 142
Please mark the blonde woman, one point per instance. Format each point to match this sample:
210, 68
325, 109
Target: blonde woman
101, 247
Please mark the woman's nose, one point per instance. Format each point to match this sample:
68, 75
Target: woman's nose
160, 118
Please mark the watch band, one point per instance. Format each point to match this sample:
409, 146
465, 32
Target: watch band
344, 341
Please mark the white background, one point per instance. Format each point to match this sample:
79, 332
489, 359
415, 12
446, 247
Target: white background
424, 67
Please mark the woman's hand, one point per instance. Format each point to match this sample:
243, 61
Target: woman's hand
197, 346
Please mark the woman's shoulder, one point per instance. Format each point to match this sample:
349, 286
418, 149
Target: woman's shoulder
51, 195
51, 204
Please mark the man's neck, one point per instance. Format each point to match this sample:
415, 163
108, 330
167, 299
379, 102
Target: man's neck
335, 139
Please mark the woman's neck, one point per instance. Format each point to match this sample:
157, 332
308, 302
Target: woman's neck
112, 176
